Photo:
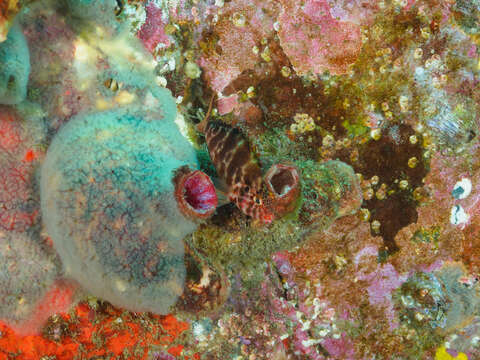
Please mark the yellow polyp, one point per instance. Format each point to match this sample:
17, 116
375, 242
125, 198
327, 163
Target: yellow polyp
442, 354
124, 97
12, 5
102, 104
83, 52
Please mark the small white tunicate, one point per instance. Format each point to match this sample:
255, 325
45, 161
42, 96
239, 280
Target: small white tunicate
458, 215
171, 64
323, 332
310, 342
475, 340
306, 325
239, 19
198, 329
192, 70
462, 189
419, 316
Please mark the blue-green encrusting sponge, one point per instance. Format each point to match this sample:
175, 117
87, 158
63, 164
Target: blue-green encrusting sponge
101, 12
27, 271
108, 203
14, 67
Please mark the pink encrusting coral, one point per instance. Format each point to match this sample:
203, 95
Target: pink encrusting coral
314, 40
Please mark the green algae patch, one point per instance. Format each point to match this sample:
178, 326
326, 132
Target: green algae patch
329, 190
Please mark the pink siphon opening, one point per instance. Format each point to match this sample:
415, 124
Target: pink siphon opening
196, 195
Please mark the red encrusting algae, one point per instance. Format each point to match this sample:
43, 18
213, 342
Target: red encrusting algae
86, 332
18, 157
58, 299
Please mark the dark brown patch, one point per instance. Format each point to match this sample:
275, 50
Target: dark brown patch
200, 296
388, 158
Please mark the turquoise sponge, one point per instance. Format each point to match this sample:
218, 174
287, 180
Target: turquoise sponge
14, 67
27, 271
100, 12
107, 201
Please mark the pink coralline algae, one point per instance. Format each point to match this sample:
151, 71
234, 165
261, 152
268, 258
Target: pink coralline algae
314, 40
382, 282
310, 316
354, 229
227, 104
341, 348
457, 235
360, 12
311, 37
152, 33
240, 29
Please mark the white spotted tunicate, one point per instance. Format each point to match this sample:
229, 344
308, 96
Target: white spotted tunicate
462, 189
458, 215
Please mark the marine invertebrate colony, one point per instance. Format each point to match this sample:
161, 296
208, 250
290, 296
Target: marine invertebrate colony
112, 214
347, 129
28, 272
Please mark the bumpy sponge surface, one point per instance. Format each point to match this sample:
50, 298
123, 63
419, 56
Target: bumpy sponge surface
27, 271
14, 67
107, 201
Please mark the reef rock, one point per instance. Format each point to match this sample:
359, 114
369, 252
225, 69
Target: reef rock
314, 40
